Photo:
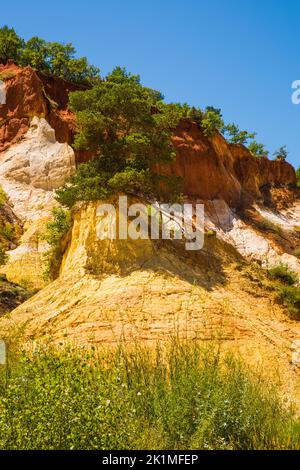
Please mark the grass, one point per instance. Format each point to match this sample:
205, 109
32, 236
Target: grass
268, 226
287, 288
7, 75
182, 396
282, 273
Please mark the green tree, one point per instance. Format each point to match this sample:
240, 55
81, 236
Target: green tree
281, 153
298, 177
128, 128
257, 149
212, 121
51, 58
11, 45
35, 54
236, 136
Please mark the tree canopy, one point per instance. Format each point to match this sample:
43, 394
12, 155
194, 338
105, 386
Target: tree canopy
128, 129
51, 58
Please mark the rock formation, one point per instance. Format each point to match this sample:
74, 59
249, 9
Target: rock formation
144, 289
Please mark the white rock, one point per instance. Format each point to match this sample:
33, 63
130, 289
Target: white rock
31, 169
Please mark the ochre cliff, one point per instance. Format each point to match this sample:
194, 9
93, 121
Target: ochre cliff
211, 168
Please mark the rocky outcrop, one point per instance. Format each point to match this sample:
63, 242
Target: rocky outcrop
213, 169
31, 169
29, 172
30, 94
149, 291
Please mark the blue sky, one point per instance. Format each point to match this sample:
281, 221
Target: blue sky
241, 56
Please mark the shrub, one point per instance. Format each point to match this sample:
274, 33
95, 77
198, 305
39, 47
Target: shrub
180, 397
290, 297
3, 256
282, 273
257, 149
3, 197
267, 225
281, 153
236, 136
298, 177
212, 121
55, 231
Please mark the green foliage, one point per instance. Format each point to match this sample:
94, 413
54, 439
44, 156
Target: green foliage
236, 136
288, 292
267, 225
11, 45
281, 153
212, 121
290, 297
3, 256
3, 197
298, 177
282, 273
128, 128
186, 397
51, 58
7, 231
55, 231
258, 150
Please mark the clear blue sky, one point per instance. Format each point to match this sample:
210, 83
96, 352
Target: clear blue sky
241, 56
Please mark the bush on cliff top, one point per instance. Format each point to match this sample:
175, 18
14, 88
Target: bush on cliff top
51, 58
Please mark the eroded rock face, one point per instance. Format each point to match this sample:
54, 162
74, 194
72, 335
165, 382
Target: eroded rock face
28, 94
33, 168
213, 169
30, 171
250, 243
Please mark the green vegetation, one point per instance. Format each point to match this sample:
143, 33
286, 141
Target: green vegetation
281, 153
288, 292
3, 256
179, 397
212, 121
50, 58
290, 297
128, 128
257, 149
267, 225
298, 177
282, 273
236, 136
55, 232
3, 197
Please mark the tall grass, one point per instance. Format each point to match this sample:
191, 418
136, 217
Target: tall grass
178, 397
